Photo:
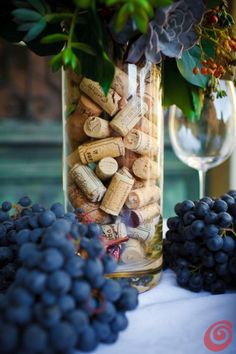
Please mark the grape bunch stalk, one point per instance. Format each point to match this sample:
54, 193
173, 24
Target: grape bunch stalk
200, 245
54, 300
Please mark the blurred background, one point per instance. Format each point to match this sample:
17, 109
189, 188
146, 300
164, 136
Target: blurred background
31, 137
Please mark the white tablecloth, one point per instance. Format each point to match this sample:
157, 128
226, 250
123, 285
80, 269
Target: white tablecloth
172, 320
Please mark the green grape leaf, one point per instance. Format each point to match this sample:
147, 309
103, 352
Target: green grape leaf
35, 31
84, 47
213, 3
190, 59
54, 38
26, 15
177, 90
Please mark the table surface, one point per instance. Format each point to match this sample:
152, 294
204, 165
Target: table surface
173, 320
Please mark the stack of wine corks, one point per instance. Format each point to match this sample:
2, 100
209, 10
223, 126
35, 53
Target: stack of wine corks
112, 160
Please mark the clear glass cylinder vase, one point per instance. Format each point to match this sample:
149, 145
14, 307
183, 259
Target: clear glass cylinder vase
113, 165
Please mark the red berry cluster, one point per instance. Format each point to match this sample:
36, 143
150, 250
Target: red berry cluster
209, 67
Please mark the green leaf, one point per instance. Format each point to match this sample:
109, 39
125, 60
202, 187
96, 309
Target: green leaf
26, 15
213, 3
111, 2
122, 17
67, 56
53, 38
83, 4
198, 100
208, 47
26, 26
162, 3
141, 20
58, 17
146, 6
177, 90
56, 62
38, 5
84, 47
190, 59
35, 31
107, 73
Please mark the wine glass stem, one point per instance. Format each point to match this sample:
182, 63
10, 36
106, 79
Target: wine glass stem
202, 182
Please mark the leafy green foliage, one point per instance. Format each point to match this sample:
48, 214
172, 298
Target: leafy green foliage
180, 92
190, 59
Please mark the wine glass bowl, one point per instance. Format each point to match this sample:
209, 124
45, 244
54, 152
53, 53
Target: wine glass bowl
210, 138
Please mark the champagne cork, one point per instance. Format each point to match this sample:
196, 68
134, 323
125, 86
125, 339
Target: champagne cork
146, 126
78, 200
129, 116
117, 192
128, 159
138, 198
106, 168
75, 122
73, 158
122, 83
146, 168
114, 231
96, 150
142, 233
139, 216
140, 142
96, 127
88, 182
140, 183
110, 102
133, 252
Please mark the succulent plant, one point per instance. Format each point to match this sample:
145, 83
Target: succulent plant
170, 32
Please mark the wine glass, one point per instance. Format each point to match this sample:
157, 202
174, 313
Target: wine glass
208, 140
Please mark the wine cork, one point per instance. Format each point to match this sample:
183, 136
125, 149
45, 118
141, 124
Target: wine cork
138, 198
122, 83
146, 168
88, 182
96, 150
78, 200
96, 127
133, 252
140, 142
75, 122
106, 168
129, 116
110, 102
73, 158
128, 159
140, 183
146, 126
114, 231
87, 107
139, 216
117, 192
143, 232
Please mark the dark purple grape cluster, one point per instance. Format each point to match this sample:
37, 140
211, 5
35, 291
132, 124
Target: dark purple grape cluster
200, 245
57, 301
